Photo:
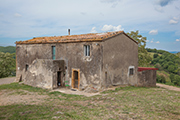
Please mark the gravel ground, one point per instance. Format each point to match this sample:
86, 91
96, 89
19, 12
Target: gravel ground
168, 87
7, 80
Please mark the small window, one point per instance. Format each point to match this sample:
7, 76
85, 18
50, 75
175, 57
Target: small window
131, 71
53, 52
27, 67
86, 50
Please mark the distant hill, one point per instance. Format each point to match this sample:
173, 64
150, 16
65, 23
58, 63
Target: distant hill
168, 65
178, 54
174, 52
9, 49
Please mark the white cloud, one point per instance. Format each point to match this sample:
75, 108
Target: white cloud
112, 28
153, 32
159, 9
83, 13
110, 1
177, 40
176, 18
163, 2
152, 40
157, 42
93, 30
114, 2
17, 15
173, 21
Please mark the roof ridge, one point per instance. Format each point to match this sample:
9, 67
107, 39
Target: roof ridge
71, 38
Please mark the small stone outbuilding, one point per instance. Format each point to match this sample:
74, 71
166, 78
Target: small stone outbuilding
147, 77
95, 60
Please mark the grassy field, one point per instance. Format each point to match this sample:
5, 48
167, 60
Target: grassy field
121, 103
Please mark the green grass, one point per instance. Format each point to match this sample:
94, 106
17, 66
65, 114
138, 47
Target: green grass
16, 86
121, 103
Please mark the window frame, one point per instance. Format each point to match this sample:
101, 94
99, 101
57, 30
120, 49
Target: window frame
53, 52
87, 50
131, 71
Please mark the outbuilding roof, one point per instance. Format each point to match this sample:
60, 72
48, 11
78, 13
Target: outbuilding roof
146, 68
74, 38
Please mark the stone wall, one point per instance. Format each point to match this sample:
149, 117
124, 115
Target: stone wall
108, 64
120, 54
73, 56
39, 74
147, 78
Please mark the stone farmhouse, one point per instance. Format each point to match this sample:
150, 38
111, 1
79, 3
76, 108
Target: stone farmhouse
95, 60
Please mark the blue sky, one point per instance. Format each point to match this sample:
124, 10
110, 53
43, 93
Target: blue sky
158, 20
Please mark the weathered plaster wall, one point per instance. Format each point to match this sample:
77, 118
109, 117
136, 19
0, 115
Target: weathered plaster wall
39, 74
119, 54
108, 63
147, 78
90, 67
73, 56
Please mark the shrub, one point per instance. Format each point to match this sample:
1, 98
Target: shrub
163, 79
155, 55
160, 79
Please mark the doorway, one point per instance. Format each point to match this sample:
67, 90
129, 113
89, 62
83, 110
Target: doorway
59, 79
75, 79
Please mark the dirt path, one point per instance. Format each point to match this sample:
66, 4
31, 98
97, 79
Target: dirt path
7, 80
168, 87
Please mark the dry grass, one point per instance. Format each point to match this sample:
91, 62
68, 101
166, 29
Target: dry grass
121, 103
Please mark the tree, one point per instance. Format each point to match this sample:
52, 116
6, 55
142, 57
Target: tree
160, 78
7, 64
163, 79
143, 56
157, 65
155, 55
165, 65
171, 77
9, 49
171, 68
176, 80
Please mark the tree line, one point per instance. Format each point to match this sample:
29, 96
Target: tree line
7, 61
168, 62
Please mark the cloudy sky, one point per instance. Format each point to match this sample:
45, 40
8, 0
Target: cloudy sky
158, 20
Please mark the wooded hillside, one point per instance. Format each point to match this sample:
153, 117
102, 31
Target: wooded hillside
9, 49
168, 65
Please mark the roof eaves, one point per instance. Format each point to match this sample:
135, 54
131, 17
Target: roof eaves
130, 37
113, 36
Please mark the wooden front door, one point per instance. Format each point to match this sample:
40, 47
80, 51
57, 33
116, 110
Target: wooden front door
75, 79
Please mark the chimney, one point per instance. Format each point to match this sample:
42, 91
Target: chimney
68, 31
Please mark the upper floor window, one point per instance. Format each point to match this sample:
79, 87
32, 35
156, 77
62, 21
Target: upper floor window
86, 50
53, 52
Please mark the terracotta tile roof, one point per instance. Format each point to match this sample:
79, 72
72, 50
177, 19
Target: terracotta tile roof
71, 38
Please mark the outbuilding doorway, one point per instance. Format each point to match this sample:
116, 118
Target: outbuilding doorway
75, 78
59, 79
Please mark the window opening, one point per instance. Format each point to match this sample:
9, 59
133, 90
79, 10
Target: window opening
53, 52
86, 50
27, 67
131, 71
